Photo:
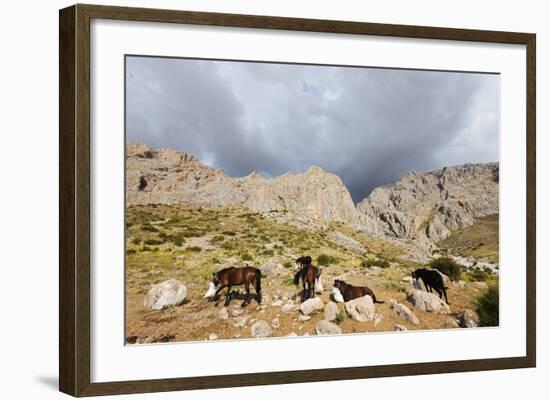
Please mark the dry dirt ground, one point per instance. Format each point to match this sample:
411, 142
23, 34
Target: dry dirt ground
188, 244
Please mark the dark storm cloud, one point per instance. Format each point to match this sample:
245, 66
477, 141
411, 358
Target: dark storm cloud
369, 126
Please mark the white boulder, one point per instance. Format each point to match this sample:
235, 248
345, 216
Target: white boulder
361, 309
428, 302
165, 294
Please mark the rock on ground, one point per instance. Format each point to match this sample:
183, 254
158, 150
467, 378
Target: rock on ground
361, 309
240, 321
346, 242
428, 302
168, 293
213, 337
261, 329
324, 327
399, 327
289, 307
468, 319
403, 312
311, 305
223, 314
304, 318
272, 268
331, 310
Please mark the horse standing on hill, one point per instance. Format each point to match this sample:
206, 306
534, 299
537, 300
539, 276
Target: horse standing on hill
231, 276
309, 274
432, 279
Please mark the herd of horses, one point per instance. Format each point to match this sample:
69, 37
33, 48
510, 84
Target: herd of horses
309, 275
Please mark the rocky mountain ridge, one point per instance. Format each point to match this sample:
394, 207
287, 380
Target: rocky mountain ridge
423, 207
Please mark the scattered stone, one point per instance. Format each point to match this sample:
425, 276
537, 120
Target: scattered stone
346, 242
461, 283
236, 312
428, 302
212, 337
241, 321
289, 307
304, 318
468, 319
451, 323
399, 327
165, 294
324, 327
416, 285
406, 279
261, 329
377, 318
275, 323
331, 310
318, 288
272, 268
223, 314
277, 303
361, 309
403, 312
311, 305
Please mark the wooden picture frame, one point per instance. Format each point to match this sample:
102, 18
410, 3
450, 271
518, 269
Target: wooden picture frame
74, 199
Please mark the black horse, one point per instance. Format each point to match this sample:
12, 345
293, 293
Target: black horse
238, 276
304, 261
432, 279
309, 274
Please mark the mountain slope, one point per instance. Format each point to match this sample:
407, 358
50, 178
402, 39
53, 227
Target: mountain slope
167, 176
431, 205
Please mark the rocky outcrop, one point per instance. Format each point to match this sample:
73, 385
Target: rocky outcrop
311, 305
403, 312
431, 205
361, 309
165, 294
427, 302
167, 176
324, 327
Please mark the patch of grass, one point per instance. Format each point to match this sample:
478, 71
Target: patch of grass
477, 274
246, 256
229, 233
150, 228
136, 241
268, 252
195, 248
487, 306
288, 280
130, 251
325, 260
339, 318
447, 266
288, 263
152, 241
384, 264
216, 239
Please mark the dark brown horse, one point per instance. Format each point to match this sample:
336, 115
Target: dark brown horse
238, 276
304, 261
350, 292
308, 274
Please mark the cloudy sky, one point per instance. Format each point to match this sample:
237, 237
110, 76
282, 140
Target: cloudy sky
368, 125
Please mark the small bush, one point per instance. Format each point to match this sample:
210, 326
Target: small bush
217, 238
487, 306
136, 241
146, 249
288, 263
229, 232
288, 280
447, 266
192, 233
195, 248
268, 252
325, 260
339, 318
384, 264
153, 241
150, 228
246, 256
478, 275
130, 251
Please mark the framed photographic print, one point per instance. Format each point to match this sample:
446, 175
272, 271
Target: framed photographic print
250, 200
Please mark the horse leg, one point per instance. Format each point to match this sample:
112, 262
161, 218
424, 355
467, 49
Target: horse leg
445, 293
247, 295
228, 296
304, 293
216, 296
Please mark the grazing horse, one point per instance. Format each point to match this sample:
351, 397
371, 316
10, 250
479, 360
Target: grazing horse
309, 275
350, 292
432, 279
238, 276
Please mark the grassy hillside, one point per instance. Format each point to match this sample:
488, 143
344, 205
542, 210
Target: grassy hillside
190, 243
480, 241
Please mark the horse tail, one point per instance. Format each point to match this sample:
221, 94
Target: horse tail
297, 277
376, 301
258, 285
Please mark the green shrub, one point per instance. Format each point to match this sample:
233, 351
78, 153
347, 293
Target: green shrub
192, 233
148, 227
217, 238
477, 275
231, 233
384, 264
246, 256
146, 249
487, 306
325, 260
195, 248
153, 241
339, 318
288, 263
268, 252
447, 266
136, 241
130, 251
